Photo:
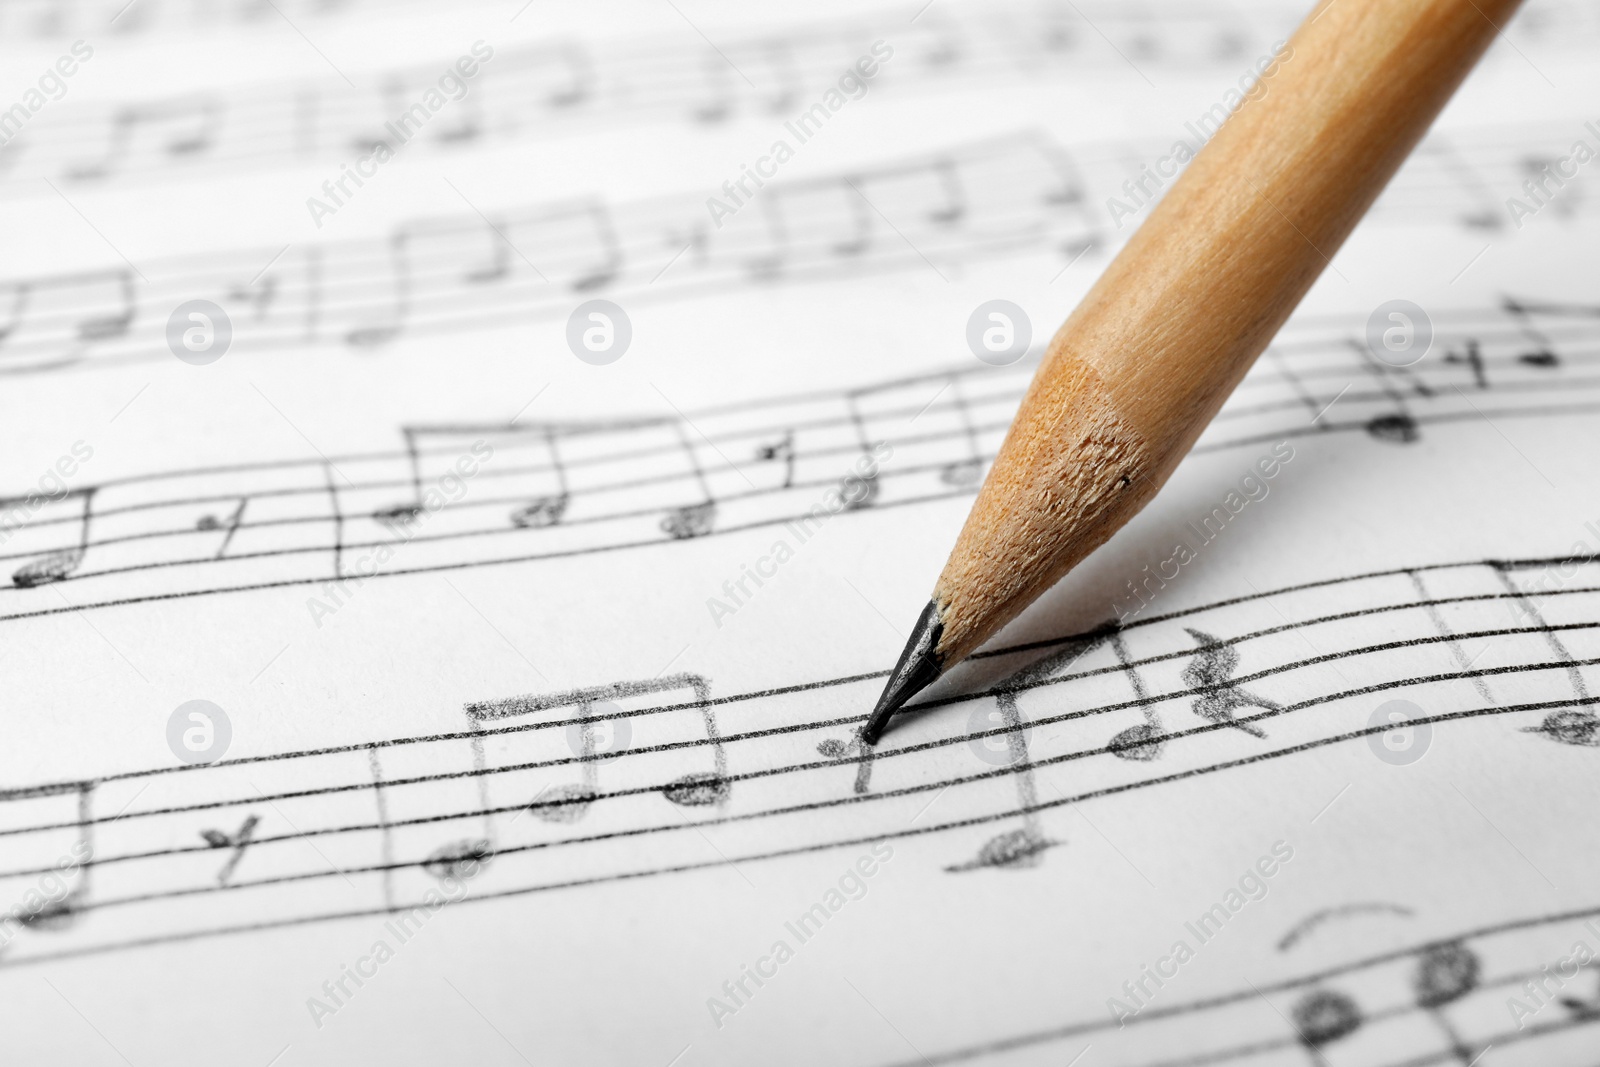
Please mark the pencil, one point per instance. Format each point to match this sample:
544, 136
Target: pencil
1144, 362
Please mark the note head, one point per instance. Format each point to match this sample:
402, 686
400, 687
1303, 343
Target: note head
961, 475
545, 511
459, 859
1143, 743
693, 521
399, 517
699, 790
1399, 428
1010, 851
1324, 1016
1569, 726
105, 328
54, 567
371, 336
563, 803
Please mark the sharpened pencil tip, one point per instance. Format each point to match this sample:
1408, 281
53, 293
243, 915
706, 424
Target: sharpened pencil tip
919, 666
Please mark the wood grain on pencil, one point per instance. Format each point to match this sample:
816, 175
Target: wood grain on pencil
1144, 362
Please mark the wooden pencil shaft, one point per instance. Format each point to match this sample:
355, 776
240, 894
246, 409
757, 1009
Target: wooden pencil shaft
1144, 362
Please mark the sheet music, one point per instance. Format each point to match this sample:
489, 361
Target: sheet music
455, 525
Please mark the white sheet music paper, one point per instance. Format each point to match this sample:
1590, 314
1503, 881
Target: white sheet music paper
408, 659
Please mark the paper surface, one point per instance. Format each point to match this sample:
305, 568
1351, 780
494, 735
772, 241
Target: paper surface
409, 677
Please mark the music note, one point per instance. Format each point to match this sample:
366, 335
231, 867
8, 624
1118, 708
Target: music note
783, 450
1322, 1017
1446, 973
62, 563
963, 473
1025, 846
393, 321
338, 521
861, 213
105, 325
580, 69
955, 207
769, 264
780, 55
693, 520
459, 859
20, 291
1569, 727
1485, 212
210, 522
399, 517
197, 120
1542, 353
1145, 742
856, 750
719, 104
1473, 357
548, 510
56, 899
594, 224
239, 840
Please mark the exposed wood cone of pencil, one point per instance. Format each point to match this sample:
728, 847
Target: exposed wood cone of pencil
1161, 340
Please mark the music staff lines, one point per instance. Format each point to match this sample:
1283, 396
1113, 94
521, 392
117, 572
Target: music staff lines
549, 87
735, 779
563, 808
1011, 688
552, 86
564, 490
1210, 1007
1007, 196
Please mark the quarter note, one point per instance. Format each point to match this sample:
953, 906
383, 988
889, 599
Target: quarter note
18, 303
399, 517
604, 270
62, 563
1570, 726
780, 450
694, 520
780, 56
546, 510
209, 522
717, 106
393, 322
577, 85
770, 263
955, 207
1322, 1017
107, 325
459, 859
